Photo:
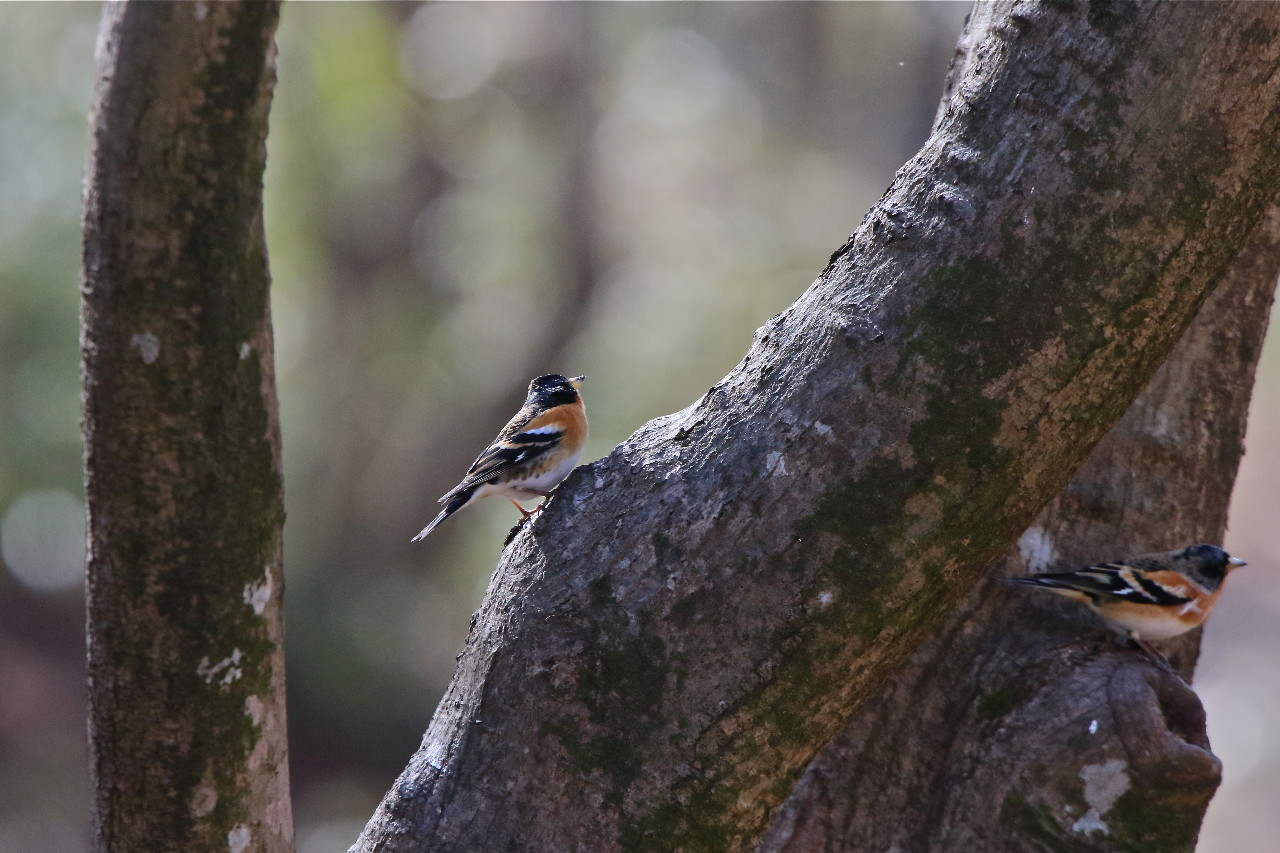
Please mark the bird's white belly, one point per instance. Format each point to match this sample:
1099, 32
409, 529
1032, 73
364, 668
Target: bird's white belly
534, 486
1156, 627
549, 479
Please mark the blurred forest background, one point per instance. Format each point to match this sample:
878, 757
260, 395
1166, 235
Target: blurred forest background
460, 197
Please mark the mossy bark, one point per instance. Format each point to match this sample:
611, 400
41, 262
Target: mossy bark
182, 465
1022, 725
663, 650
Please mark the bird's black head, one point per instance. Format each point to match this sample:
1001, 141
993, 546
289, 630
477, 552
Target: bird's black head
553, 389
1208, 562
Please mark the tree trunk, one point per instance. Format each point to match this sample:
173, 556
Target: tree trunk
664, 649
183, 478
1027, 728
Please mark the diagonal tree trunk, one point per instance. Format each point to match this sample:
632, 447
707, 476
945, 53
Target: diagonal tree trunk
662, 652
187, 718
1019, 727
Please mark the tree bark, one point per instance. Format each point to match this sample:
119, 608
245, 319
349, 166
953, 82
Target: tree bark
663, 650
183, 476
1027, 728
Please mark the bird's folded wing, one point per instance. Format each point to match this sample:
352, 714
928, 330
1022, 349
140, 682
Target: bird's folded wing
520, 448
1129, 583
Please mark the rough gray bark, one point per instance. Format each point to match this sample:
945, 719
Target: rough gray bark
182, 467
1027, 727
663, 650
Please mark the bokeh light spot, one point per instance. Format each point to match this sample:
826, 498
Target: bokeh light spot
449, 52
42, 539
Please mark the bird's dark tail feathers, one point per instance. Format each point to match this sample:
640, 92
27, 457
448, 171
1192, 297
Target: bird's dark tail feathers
1049, 582
1028, 579
455, 503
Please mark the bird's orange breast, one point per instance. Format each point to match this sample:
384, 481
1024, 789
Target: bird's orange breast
570, 419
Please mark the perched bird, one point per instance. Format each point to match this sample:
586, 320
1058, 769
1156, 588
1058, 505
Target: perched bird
1150, 597
533, 453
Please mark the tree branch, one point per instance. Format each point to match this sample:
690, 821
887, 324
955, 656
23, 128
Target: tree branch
662, 651
183, 478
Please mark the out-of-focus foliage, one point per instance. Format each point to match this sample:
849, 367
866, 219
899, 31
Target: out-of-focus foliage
46, 54
460, 197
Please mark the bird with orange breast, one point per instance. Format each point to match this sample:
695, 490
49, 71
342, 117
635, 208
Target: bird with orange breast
1148, 597
532, 454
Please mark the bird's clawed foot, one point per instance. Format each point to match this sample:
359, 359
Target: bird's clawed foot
1154, 655
526, 514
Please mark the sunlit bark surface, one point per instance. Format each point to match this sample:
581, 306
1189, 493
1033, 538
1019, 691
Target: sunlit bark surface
663, 651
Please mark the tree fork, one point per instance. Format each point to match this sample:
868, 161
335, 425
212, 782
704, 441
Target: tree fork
661, 653
1025, 718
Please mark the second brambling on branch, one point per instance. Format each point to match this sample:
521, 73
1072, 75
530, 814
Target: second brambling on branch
534, 452
1150, 597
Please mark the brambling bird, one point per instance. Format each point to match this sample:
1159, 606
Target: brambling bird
1150, 597
534, 452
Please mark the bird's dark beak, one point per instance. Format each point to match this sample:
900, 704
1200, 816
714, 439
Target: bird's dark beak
576, 382
1236, 562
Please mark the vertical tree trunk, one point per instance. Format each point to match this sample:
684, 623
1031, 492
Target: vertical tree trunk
1021, 725
183, 478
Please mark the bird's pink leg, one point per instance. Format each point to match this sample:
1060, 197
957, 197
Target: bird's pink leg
525, 514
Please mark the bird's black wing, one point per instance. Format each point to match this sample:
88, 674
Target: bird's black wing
519, 448
1140, 581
